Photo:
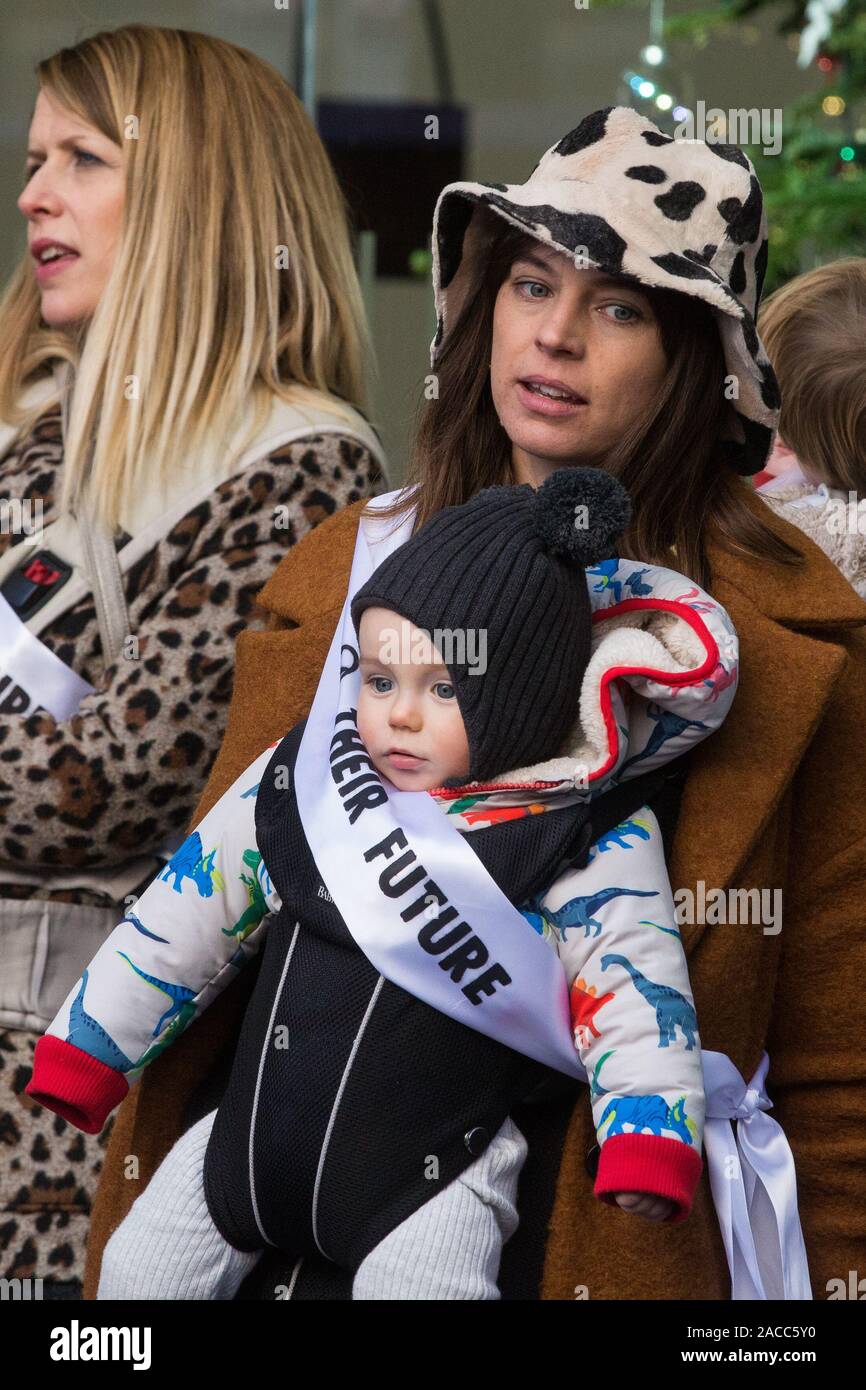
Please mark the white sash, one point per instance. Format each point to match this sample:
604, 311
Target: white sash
404, 879
31, 676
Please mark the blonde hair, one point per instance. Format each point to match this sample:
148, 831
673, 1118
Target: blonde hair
227, 181
814, 330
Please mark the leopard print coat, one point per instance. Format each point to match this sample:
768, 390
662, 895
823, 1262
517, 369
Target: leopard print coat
126, 771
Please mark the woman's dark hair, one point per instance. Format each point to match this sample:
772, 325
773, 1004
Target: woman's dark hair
682, 492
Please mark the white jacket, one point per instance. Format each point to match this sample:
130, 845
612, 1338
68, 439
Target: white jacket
833, 519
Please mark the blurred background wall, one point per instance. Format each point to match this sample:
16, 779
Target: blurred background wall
523, 71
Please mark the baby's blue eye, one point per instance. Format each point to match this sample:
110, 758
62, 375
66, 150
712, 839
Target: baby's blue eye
444, 685
373, 682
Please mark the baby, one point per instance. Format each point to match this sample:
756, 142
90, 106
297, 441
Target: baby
366, 1117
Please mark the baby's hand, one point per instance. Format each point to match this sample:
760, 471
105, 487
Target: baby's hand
645, 1204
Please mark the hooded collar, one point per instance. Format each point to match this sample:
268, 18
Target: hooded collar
674, 646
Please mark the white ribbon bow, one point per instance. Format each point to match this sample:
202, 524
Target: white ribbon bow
754, 1185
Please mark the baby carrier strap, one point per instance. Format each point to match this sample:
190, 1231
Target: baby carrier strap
660, 789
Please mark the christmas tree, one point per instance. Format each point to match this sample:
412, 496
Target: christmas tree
815, 186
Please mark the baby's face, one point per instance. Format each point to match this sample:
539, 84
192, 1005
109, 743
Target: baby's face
408, 702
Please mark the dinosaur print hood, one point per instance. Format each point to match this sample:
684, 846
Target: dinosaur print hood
661, 677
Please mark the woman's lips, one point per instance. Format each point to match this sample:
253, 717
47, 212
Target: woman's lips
546, 405
404, 760
49, 268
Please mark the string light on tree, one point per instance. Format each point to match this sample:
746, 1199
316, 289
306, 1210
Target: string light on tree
655, 56
815, 183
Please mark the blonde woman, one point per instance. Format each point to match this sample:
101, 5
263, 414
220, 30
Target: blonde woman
181, 375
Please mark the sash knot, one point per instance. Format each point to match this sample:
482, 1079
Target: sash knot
754, 1184
752, 1101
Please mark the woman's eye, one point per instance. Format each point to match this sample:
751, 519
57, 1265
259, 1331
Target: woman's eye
633, 313
532, 284
90, 161
445, 686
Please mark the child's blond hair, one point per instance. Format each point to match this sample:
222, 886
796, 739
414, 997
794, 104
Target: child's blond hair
814, 330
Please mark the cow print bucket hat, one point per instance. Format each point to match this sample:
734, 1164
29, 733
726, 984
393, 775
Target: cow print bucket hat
619, 195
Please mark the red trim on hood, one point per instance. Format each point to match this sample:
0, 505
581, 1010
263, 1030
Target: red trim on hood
672, 678
490, 787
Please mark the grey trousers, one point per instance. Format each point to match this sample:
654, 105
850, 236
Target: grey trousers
450, 1248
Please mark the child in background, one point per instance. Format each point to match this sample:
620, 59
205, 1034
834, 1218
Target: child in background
608, 916
814, 330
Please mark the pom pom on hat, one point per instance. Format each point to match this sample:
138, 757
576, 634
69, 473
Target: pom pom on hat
587, 537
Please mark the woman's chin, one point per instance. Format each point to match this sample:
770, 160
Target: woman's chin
548, 454
60, 315
550, 443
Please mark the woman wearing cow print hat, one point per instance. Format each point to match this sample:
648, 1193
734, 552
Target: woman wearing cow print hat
658, 376
671, 231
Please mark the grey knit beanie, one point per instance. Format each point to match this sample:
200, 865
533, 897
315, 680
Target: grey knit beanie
509, 562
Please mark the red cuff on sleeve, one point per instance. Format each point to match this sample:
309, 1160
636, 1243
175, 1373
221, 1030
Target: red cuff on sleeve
73, 1084
649, 1163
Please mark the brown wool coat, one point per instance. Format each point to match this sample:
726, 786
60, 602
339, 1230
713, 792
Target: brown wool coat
775, 799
